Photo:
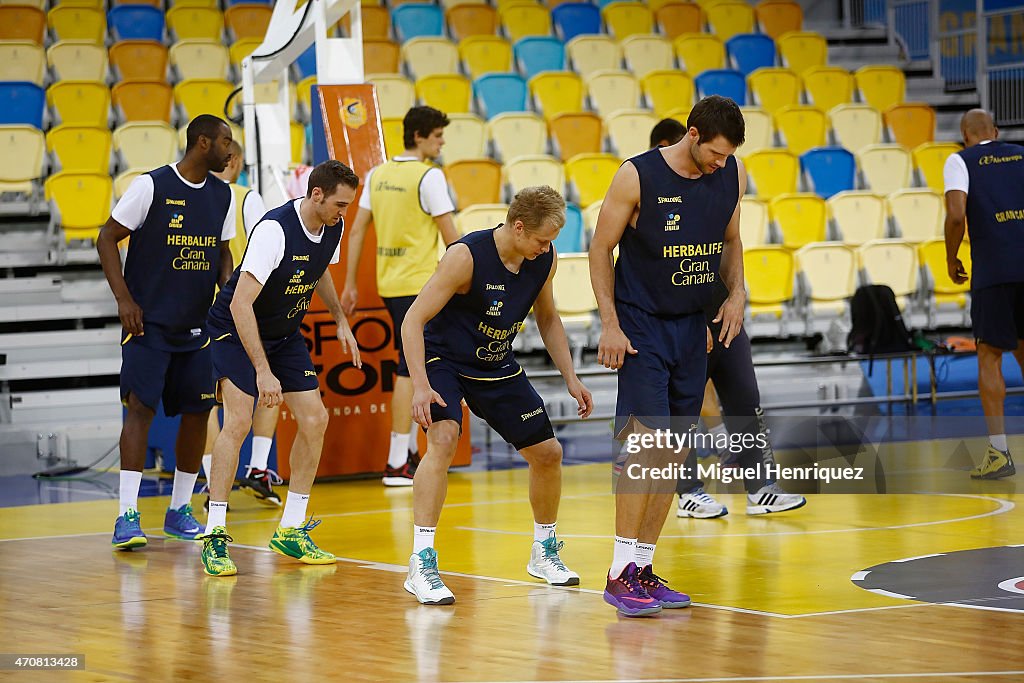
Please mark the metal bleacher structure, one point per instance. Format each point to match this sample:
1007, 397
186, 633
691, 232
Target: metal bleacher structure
811, 235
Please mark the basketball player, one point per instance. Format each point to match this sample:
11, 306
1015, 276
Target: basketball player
673, 212
983, 187
259, 354
407, 200
180, 219
473, 307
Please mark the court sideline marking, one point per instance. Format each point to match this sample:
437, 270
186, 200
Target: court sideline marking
816, 677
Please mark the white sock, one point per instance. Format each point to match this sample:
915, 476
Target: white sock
294, 509
542, 531
208, 467
260, 452
184, 484
129, 491
998, 442
217, 516
644, 554
399, 451
422, 538
414, 445
625, 552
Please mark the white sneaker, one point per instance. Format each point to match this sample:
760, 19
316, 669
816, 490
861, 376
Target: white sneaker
424, 582
546, 564
697, 503
772, 498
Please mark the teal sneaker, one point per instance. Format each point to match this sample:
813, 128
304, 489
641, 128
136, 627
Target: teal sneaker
128, 531
181, 524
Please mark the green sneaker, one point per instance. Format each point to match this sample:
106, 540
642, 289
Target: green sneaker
295, 542
215, 553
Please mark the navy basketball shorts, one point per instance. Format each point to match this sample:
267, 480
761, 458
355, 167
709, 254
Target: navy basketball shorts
397, 307
288, 357
183, 379
997, 315
665, 378
511, 406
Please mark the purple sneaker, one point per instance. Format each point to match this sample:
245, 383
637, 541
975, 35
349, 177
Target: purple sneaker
657, 589
628, 595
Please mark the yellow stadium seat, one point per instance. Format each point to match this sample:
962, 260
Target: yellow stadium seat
465, 138
540, 169
143, 60
241, 49
802, 127
195, 22
759, 133
145, 144
81, 149
773, 172
930, 158
698, 52
577, 133
475, 181
768, 271
860, 216
886, 168
590, 215
376, 22
613, 90
22, 149
803, 50
677, 18
297, 135
515, 133
480, 217
484, 54
142, 101
591, 175
630, 131
123, 179
471, 19
830, 272
247, 20
590, 53
526, 19
625, 19
199, 58
381, 56
426, 56
918, 214
82, 200
910, 124
304, 93
881, 86
828, 87
22, 60
647, 53
395, 94
557, 92
774, 88
943, 292
198, 96
393, 131
893, 263
800, 218
753, 222
667, 90
22, 22
856, 126
451, 93
575, 301
85, 103
778, 17
78, 60
728, 19
78, 23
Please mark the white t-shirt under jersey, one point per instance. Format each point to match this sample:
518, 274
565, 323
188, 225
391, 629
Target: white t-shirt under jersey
253, 210
266, 247
954, 173
134, 204
434, 197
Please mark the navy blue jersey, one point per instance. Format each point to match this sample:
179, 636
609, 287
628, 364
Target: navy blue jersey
669, 261
995, 212
475, 330
286, 294
174, 259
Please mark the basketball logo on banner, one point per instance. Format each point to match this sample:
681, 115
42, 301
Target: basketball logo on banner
353, 112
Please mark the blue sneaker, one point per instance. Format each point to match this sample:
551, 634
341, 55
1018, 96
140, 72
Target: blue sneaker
181, 524
128, 531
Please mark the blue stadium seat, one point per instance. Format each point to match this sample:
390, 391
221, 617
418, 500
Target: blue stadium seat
831, 169
417, 19
306, 63
534, 54
572, 19
749, 51
500, 93
725, 82
136, 22
570, 239
22, 102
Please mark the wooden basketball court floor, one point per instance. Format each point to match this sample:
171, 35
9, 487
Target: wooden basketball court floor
895, 587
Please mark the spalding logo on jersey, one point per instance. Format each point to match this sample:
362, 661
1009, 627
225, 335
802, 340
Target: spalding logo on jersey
353, 112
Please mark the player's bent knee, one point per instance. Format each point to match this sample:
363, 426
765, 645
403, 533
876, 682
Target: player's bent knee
443, 438
313, 421
137, 410
545, 454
